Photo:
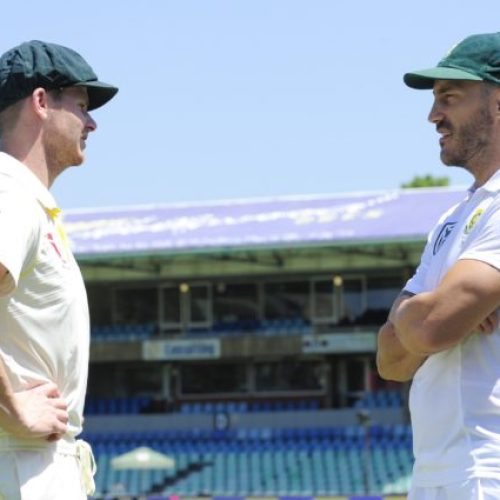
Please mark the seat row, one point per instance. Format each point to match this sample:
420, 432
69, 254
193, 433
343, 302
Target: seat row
380, 399
290, 470
139, 332
123, 333
116, 406
353, 436
245, 407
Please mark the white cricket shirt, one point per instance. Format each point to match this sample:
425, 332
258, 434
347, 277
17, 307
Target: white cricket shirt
44, 320
455, 394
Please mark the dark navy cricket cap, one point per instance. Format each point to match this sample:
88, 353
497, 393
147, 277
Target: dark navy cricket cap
50, 66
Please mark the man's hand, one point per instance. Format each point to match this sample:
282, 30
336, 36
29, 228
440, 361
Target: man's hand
488, 325
38, 412
394, 362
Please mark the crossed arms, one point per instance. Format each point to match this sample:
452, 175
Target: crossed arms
464, 303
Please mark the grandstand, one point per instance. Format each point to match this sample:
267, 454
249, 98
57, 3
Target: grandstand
239, 339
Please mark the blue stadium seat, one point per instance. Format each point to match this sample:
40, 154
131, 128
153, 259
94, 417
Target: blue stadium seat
263, 461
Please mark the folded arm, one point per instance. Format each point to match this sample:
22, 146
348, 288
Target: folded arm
394, 362
464, 302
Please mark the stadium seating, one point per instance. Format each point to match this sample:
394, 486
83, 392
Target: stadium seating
245, 407
263, 462
117, 406
380, 399
140, 332
290, 326
286, 326
144, 404
119, 333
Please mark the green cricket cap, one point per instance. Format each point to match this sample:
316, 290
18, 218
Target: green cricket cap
477, 57
37, 64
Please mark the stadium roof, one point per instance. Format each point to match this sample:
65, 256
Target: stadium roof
387, 216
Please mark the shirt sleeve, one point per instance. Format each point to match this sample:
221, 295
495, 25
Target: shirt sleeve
418, 282
484, 241
19, 235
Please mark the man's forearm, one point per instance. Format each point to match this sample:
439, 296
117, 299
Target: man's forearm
461, 305
423, 329
394, 362
410, 321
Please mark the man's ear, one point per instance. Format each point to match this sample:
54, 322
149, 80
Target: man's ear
40, 102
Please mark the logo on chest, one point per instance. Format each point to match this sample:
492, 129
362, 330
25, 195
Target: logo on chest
473, 220
443, 236
55, 245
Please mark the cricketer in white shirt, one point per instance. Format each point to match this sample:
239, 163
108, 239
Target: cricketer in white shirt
44, 332
455, 394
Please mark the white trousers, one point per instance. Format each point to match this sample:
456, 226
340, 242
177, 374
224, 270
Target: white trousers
39, 475
57, 472
472, 489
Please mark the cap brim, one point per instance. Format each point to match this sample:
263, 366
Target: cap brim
99, 93
424, 79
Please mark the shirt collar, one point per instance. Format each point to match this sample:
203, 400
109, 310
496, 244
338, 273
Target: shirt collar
492, 184
20, 173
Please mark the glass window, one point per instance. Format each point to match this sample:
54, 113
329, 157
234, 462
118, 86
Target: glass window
213, 378
119, 380
100, 301
323, 300
136, 305
171, 305
200, 304
143, 378
288, 299
381, 293
355, 371
235, 302
353, 299
289, 376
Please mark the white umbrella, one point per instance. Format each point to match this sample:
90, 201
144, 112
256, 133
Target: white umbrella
142, 458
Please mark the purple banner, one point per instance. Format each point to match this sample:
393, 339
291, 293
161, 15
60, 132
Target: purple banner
364, 217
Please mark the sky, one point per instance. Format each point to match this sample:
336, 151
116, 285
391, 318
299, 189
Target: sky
238, 99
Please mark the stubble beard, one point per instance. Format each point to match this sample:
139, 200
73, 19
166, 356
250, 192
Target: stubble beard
61, 153
471, 141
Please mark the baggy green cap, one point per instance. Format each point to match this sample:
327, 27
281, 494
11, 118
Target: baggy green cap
477, 57
50, 66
